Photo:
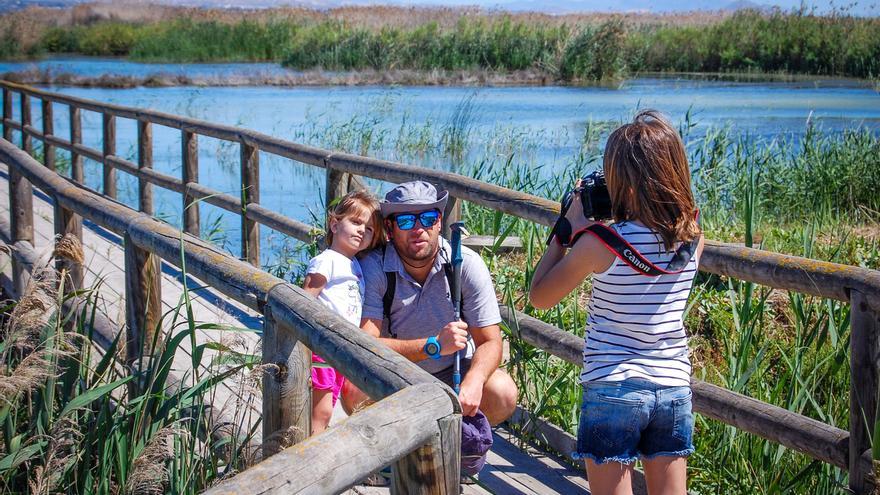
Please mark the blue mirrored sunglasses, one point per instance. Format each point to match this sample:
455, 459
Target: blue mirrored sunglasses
406, 221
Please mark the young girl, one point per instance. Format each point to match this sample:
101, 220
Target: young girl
335, 278
636, 374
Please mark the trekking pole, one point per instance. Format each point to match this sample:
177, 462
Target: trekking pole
457, 229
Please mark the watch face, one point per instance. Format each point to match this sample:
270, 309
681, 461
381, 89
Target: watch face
431, 349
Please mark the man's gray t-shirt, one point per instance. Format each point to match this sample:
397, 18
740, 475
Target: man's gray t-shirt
422, 311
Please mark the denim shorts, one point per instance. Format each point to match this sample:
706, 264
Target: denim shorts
623, 421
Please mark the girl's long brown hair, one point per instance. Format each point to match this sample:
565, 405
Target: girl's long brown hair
354, 203
649, 180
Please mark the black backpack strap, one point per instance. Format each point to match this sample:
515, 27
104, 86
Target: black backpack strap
632, 257
388, 297
450, 275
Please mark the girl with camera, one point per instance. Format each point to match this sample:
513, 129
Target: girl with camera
636, 370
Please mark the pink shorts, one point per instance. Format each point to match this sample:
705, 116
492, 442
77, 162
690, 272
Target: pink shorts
326, 378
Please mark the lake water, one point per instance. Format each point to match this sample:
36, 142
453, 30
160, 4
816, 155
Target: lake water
538, 127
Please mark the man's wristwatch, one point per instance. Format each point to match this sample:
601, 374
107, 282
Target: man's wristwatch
432, 348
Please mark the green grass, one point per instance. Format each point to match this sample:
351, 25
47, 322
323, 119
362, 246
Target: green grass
795, 42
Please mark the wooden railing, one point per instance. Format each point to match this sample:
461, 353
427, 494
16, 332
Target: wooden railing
860, 287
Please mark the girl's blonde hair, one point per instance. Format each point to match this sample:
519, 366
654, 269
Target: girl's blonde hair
354, 203
649, 179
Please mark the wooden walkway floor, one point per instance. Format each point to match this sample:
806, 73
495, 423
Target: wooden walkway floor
509, 470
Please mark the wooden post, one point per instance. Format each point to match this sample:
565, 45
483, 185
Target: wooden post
109, 149
287, 394
189, 141
337, 185
250, 193
68, 222
21, 211
76, 160
7, 114
145, 160
434, 468
26, 142
143, 306
864, 362
451, 214
21, 199
48, 130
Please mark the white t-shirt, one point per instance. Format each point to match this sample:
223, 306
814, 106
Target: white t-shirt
344, 292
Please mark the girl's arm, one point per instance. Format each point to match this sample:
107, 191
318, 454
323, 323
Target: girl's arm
314, 283
558, 272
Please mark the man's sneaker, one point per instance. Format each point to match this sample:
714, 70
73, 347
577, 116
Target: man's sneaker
470, 480
382, 478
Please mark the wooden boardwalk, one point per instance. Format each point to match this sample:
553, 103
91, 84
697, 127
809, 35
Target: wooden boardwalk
509, 470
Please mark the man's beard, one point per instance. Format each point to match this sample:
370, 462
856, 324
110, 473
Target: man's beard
424, 254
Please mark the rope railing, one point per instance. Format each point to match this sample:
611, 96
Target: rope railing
858, 286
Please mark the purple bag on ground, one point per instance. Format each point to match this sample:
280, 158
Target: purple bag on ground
476, 440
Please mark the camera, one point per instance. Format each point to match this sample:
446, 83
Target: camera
593, 193
594, 197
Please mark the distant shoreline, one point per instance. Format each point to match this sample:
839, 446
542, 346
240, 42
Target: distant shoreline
400, 77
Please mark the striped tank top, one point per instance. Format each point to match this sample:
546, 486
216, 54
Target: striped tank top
635, 327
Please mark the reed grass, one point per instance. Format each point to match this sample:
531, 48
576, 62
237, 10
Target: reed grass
74, 420
591, 49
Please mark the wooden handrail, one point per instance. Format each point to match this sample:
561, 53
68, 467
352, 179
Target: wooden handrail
858, 286
812, 277
365, 442
342, 345
795, 431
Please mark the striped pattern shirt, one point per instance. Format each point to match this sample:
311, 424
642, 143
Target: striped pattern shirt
635, 327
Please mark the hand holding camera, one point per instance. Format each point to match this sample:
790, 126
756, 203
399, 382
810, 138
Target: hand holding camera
594, 203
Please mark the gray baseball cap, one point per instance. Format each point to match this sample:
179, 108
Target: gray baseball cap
413, 197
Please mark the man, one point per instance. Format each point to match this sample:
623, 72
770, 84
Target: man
419, 323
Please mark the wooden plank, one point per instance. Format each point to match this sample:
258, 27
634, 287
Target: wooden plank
465, 188
451, 214
68, 223
808, 276
21, 211
481, 243
335, 187
814, 438
145, 161
560, 441
76, 160
281, 223
362, 443
214, 197
433, 468
864, 362
190, 154
109, 128
287, 392
7, 114
343, 345
143, 308
48, 130
250, 194
26, 142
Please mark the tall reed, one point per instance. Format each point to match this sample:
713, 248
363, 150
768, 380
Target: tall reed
590, 49
71, 422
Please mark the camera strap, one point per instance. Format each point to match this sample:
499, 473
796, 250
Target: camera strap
632, 257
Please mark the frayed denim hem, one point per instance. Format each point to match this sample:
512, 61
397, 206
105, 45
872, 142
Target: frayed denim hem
578, 456
676, 453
